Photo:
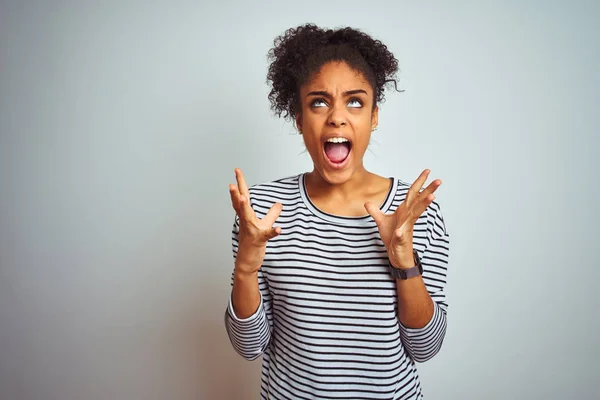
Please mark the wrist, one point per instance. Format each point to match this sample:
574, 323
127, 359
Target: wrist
244, 275
415, 268
404, 262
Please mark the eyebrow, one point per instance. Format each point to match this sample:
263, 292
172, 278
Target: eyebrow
326, 94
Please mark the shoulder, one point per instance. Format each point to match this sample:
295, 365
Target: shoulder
286, 184
283, 190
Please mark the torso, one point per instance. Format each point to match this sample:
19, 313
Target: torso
330, 299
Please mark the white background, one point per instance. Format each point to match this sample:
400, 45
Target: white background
120, 126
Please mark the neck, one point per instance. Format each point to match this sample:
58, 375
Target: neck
348, 189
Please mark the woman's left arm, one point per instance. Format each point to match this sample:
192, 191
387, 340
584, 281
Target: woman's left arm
421, 301
422, 304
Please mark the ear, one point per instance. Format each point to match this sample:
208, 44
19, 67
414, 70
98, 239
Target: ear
375, 118
298, 119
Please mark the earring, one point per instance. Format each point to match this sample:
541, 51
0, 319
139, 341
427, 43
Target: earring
374, 129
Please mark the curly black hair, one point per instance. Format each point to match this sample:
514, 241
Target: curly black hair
303, 50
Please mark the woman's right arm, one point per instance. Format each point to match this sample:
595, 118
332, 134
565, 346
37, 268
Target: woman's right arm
245, 294
247, 318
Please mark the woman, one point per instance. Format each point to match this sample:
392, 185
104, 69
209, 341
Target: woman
339, 273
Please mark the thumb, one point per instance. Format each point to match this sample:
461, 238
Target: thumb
272, 233
374, 212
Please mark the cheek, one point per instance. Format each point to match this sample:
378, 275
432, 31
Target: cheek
363, 143
363, 131
311, 129
312, 143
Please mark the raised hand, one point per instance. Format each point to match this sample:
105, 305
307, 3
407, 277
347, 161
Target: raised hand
254, 233
396, 229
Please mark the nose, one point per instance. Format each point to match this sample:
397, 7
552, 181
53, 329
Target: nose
337, 118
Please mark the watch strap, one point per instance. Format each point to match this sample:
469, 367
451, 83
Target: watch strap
407, 273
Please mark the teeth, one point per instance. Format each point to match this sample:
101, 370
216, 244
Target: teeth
337, 140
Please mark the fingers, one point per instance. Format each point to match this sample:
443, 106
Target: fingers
426, 197
270, 219
273, 214
374, 212
240, 197
241, 181
419, 207
246, 212
235, 201
240, 203
415, 188
431, 188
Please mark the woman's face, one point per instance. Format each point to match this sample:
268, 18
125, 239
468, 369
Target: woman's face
336, 120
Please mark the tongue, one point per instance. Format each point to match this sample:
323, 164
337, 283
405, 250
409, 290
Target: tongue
336, 152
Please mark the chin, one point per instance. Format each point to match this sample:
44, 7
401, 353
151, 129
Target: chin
336, 176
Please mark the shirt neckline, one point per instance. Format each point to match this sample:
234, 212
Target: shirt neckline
340, 219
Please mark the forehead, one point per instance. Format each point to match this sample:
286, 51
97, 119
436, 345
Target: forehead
337, 75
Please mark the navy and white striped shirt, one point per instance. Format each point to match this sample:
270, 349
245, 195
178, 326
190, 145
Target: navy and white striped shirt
327, 325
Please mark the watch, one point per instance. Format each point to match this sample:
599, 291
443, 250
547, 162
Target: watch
409, 272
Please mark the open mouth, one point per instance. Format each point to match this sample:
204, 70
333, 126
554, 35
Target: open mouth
337, 150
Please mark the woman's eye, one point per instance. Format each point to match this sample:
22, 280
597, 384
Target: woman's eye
355, 103
318, 103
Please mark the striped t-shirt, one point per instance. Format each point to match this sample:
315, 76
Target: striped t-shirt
327, 325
